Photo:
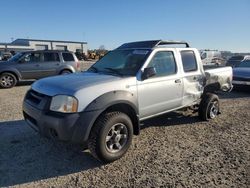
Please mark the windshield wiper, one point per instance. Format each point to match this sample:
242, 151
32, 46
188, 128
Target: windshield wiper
114, 71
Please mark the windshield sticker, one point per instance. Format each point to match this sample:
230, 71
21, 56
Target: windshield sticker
140, 52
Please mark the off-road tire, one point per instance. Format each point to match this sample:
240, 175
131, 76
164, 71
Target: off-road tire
206, 106
97, 143
11, 80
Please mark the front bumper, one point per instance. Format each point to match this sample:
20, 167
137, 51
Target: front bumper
73, 127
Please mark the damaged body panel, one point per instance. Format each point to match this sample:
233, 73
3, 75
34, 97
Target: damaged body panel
221, 76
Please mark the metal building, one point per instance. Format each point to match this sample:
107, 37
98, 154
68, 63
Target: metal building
37, 44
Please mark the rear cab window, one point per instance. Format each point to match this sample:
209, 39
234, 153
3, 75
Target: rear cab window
189, 61
68, 57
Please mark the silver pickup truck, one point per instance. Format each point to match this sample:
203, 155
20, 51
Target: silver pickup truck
103, 107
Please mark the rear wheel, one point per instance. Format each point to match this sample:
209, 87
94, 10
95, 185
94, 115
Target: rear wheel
209, 107
7, 80
111, 136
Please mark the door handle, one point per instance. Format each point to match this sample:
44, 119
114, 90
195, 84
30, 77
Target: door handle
177, 81
37, 65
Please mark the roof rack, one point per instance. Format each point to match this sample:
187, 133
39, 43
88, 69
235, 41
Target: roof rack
151, 44
170, 42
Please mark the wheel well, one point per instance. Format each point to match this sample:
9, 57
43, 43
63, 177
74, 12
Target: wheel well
211, 88
65, 70
127, 109
17, 78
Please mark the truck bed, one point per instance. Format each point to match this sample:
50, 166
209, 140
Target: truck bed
220, 76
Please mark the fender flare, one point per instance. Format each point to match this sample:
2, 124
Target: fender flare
100, 105
111, 98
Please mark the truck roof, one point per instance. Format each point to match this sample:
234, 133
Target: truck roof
151, 44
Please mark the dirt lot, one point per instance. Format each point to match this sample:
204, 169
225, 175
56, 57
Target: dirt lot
172, 151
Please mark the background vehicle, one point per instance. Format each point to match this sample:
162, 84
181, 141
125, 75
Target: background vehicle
81, 56
241, 74
104, 106
96, 54
4, 56
210, 57
236, 60
36, 65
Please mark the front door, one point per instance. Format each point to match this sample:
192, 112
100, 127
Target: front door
162, 92
29, 66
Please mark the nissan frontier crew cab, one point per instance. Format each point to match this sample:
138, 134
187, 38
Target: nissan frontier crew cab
103, 106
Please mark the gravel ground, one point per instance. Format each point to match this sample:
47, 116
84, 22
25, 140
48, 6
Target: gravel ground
172, 151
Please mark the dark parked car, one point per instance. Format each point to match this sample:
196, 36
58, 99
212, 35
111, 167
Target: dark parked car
241, 74
35, 65
236, 60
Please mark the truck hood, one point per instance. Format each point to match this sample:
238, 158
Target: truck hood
72, 83
86, 87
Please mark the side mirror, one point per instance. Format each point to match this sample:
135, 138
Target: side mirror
148, 72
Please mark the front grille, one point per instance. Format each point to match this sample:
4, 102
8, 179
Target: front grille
34, 97
37, 100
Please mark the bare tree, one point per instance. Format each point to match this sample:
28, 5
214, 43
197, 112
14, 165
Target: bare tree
102, 47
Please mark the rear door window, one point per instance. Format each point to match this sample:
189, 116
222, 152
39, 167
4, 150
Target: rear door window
50, 57
68, 57
189, 61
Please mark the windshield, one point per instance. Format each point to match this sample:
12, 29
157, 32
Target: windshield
236, 58
244, 64
121, 62
16, 57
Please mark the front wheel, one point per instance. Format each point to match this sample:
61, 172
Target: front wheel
209, 107
7, 80
111, 136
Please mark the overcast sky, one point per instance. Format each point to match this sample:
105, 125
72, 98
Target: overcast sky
211, 24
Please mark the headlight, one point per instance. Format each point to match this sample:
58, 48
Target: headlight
64, 103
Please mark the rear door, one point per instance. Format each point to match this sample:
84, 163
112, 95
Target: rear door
192, 76
49, 64
162, 92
